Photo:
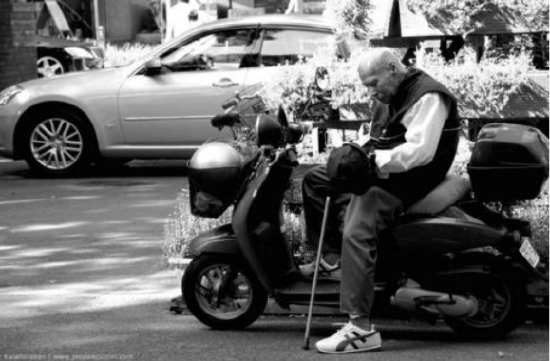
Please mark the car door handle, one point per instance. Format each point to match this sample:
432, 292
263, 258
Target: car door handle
225, 82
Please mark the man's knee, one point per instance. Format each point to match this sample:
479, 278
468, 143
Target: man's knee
379, 198
315, 178
367, 213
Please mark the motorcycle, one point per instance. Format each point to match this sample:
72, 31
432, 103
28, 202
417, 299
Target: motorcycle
466, 264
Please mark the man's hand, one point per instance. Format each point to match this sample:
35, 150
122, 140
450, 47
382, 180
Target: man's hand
362, 135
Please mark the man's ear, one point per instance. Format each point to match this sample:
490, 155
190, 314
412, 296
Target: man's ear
392, 67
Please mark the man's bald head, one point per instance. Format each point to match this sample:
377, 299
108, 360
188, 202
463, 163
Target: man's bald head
377, 59
382, 72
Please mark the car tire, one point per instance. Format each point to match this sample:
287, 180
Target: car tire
58, 142
48, 66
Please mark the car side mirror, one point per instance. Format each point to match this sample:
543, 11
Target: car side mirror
153, 66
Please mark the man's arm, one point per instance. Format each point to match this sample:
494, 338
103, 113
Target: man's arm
424, 122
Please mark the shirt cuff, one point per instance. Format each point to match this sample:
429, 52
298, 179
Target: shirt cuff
383, 157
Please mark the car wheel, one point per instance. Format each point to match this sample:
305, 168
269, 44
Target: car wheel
48, 66
58, 143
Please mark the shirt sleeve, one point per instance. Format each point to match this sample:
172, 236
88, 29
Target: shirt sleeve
424, 122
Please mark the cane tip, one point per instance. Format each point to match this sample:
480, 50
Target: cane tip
305, 347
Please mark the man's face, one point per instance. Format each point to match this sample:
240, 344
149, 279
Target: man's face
382, 83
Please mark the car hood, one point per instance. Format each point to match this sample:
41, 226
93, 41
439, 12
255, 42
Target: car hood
73, 82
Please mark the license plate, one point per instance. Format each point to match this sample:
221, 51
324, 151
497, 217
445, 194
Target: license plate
529, 253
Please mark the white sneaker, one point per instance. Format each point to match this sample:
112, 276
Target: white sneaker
325, 270
350, 338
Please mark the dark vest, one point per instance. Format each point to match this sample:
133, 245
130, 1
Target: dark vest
387, 132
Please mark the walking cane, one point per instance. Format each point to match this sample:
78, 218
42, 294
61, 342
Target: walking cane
316, 274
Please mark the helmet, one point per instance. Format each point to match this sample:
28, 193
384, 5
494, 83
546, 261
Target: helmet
214, 178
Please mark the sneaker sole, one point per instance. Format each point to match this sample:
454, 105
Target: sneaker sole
373, 348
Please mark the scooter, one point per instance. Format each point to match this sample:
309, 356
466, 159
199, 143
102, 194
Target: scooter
468, 266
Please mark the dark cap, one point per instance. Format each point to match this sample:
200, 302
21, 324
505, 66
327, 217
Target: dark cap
349, 169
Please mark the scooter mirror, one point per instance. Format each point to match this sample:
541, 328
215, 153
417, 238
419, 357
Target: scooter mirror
268, 131
322, 79
281, 117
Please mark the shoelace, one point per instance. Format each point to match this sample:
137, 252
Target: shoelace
347, 328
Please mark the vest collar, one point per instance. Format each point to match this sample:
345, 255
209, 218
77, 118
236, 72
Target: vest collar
412, 74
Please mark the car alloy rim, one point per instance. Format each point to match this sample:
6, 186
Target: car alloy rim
56, 144
48, 66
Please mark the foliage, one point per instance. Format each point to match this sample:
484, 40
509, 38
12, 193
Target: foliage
182, 226
291, 87
116, 55
483, 88
460, 16
536, 12
349, 17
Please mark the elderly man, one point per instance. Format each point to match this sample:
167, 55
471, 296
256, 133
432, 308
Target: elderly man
413, 139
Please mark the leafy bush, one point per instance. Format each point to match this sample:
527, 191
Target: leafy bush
462, 16
291, 86
116, 55
349, 17
182, 226
482, 89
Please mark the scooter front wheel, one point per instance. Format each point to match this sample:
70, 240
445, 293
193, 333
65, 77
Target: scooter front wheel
222, 293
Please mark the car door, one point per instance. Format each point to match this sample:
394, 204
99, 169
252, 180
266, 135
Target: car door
174, 108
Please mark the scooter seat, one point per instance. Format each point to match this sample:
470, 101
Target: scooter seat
447, 193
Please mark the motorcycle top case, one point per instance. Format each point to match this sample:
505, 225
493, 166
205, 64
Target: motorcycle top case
509, 162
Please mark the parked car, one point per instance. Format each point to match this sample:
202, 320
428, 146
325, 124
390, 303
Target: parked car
157, 107
58, 56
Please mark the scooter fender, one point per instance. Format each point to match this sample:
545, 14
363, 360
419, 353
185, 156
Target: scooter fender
218, 240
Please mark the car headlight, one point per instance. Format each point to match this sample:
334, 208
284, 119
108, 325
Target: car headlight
7, 94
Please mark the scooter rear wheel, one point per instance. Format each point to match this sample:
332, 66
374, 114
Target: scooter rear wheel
222, 293
502, 304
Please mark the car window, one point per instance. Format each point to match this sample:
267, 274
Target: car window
221, 50
288, 46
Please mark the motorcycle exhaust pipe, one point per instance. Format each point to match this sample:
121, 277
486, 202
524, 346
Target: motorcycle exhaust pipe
446, 304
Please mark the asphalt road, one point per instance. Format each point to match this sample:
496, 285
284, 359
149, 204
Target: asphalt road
82, 278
